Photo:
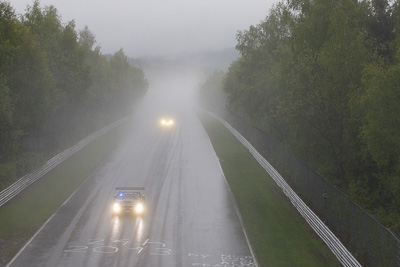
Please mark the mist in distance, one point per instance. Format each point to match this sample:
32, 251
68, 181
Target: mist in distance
177, 43
160, 27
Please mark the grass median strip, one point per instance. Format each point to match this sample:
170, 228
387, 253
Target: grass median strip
21, 217
278, 234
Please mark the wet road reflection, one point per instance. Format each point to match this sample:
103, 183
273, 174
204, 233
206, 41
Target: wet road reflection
190, 218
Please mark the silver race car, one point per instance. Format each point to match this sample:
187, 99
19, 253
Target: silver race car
129, 200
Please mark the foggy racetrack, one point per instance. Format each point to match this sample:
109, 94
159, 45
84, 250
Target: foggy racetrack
190, 218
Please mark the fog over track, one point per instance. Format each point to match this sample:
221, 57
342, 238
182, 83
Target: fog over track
190, 219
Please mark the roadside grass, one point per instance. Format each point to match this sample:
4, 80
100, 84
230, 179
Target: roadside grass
22, 216
278, 234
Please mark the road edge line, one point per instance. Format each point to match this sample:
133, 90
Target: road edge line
41, 228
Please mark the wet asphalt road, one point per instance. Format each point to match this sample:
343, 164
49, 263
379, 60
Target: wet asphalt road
190, 217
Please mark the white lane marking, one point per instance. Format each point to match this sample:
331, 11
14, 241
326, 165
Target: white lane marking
95, 241
76, 249
145, 242
162, 251
105, 249
41, 228
139, 249
157, 243
123, 241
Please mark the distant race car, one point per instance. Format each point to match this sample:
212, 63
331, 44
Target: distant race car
167, 122
129, 200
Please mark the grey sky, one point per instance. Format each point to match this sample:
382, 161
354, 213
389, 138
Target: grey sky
160, 27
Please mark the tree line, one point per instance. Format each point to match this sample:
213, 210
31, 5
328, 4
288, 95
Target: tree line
323, 78
56, 87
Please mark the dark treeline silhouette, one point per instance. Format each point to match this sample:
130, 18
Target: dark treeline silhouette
56, 87
323, 78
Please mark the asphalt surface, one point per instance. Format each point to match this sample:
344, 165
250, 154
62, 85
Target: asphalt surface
190, 217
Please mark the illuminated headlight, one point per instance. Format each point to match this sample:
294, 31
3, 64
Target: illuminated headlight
139, 208
167, 122
116, 207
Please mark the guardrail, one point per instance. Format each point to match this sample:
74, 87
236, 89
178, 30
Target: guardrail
338, 249
22, 183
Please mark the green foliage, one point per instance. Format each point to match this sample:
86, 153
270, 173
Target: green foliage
254, 82
380, 103
323, 78
5, 119
211, 94
27, 162
31, 83
382, 24
7, 173
55, 88
381, 125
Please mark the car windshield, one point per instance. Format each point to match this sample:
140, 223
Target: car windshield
128, 195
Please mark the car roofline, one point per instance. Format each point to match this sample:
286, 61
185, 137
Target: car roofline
129, 188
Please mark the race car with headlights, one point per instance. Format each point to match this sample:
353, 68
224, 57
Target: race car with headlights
129, 200
167, 122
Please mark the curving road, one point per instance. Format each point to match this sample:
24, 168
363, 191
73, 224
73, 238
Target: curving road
191, 219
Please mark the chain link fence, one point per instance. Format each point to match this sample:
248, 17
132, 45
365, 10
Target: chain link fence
367, 239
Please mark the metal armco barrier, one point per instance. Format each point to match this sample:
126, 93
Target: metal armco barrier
340, 251
363, 235
14, 189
